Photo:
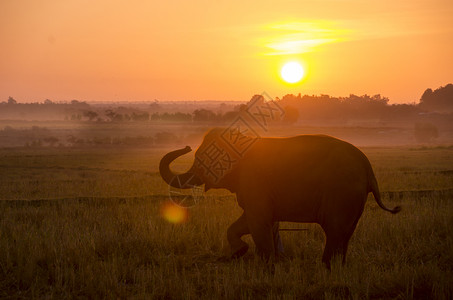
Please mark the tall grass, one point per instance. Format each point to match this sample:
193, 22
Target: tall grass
116, 245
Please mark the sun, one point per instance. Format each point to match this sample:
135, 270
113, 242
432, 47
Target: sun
292, 72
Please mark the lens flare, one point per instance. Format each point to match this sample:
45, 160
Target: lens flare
174, 213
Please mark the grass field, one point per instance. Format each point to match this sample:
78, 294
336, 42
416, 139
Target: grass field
86, 223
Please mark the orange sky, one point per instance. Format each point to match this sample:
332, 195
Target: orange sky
136, 50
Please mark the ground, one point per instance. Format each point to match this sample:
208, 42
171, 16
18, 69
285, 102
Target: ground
86, 222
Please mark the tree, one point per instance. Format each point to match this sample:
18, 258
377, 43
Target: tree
110, 114
182, 117
440, 99
91, 115
291, 115
155, 106
155, 117
230, 116
140, 116
11, 100
204, 115
80, 104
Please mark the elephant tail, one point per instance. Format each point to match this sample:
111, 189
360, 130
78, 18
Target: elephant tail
377, 195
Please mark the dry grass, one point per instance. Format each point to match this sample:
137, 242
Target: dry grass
101, 234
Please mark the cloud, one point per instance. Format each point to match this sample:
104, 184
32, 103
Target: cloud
301, 37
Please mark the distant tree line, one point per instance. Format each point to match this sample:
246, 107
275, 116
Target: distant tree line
37, 137
298, 108
325, 107
366, 107
11, 109
171, 117
11, 102
440, 100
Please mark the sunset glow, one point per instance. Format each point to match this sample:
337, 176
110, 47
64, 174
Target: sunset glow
198, 50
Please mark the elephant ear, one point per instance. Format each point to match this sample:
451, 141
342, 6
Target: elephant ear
213, 151
198, 169
203, 175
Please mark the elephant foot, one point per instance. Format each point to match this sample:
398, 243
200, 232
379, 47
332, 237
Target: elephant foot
240, 252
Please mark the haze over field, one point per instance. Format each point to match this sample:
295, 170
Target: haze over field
363, 120
228, 50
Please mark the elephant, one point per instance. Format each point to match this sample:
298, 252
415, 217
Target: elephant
305, 178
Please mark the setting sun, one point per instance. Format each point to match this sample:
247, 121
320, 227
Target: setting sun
292, 72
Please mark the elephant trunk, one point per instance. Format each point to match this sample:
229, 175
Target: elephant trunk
180, 181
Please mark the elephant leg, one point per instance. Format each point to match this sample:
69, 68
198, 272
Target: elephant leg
339, 227
262, 234
337, 240
234, 234
335, 246
277, 240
